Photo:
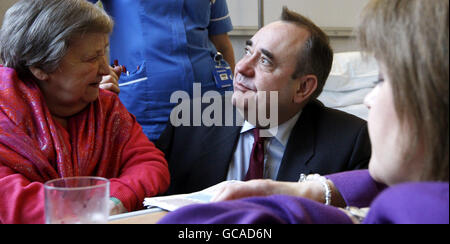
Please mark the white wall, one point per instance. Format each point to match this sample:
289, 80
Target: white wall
325, 13
336, 17
245, 12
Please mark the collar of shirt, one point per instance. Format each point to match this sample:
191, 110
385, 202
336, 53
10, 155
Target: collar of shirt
281, 132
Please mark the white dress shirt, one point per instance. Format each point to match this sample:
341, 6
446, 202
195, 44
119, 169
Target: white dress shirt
274, 147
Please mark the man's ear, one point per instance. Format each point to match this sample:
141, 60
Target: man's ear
39, 73
305, 87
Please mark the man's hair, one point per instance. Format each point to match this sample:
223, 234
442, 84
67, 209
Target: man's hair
410, 38
39, 32
316, 56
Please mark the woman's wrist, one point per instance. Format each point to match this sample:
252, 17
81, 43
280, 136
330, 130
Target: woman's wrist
116, 206
317, 188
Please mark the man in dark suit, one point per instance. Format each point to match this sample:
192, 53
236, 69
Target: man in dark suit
293, 58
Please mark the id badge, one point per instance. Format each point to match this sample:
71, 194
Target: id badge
223, 75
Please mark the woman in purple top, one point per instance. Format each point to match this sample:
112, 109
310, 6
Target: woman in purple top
407, 180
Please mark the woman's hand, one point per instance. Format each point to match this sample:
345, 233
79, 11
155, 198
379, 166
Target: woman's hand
116, 208
111, 82
261, 188
313, 190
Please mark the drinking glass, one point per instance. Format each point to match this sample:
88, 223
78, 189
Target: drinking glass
77, 200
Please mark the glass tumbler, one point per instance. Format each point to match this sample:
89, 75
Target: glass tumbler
77, 200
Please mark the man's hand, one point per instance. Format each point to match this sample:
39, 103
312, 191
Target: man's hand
111, 82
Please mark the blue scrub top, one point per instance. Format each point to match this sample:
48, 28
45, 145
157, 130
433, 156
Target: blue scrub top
165, 46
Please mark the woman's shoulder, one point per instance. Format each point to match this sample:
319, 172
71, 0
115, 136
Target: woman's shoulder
7, 74
108, 98
106, 94
419, 193
111, 104
418, 202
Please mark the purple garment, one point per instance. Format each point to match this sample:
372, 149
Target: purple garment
356, 187
275, 209
411, 203
405, 203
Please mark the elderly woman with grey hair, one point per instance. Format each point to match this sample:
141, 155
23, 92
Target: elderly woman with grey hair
56, 121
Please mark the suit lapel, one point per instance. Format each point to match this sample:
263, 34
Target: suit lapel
218, 145
300, 148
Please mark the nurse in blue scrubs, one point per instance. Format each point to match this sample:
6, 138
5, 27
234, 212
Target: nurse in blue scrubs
166, 46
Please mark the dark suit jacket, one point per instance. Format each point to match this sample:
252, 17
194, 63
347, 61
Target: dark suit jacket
323, 141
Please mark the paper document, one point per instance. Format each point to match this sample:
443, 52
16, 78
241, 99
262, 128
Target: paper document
174, 202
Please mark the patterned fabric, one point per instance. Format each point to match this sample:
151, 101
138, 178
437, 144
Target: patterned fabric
34, 145
103, 140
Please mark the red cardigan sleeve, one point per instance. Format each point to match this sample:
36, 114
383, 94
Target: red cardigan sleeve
144, 172
21, 201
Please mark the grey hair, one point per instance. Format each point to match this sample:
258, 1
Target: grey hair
38, 32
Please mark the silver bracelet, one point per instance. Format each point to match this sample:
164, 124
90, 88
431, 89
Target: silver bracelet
322, 180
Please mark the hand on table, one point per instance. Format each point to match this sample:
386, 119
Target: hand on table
313, 190
256, 188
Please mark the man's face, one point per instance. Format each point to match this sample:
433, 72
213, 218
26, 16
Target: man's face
268, 65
